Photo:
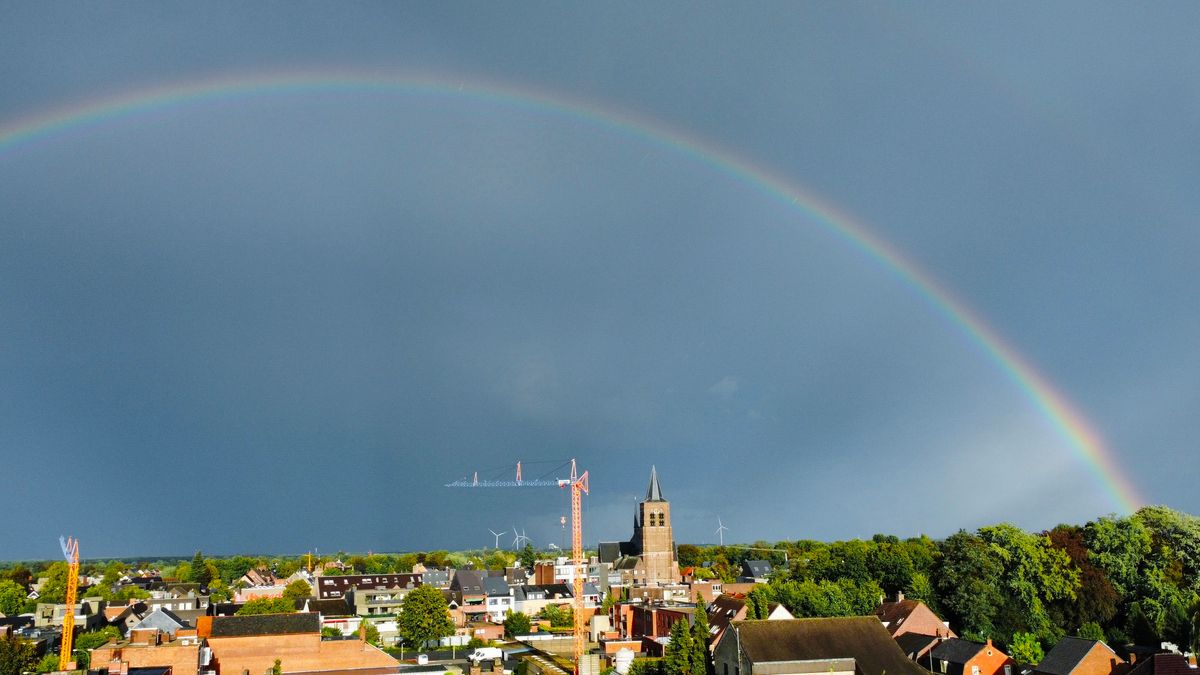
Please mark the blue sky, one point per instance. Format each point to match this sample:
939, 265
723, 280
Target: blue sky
277, 322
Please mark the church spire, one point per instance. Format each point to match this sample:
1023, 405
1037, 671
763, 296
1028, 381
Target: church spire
654, 493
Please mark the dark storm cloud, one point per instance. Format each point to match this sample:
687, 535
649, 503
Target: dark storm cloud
280, 322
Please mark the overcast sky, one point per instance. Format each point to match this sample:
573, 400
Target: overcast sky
281, 321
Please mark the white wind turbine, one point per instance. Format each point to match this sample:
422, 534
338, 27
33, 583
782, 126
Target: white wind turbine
721, 530
522, 539
497, 535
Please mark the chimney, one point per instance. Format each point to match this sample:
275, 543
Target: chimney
362, 630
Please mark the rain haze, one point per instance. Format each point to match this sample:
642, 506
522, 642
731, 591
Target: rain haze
271, 275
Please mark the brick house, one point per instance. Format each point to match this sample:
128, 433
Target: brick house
956, 656
911, 616
1077, 656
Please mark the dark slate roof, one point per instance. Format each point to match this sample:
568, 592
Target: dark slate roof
913, 644
654, 493
469, 582
756, 568
496, 586
862, 638
554, 591
1163, 664
164, 620
1066, 655
265, 624
956, 650
609, 551
223, 608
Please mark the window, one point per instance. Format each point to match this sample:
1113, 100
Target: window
1007, 670
943, 664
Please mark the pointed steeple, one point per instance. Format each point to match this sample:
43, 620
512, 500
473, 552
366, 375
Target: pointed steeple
654, 493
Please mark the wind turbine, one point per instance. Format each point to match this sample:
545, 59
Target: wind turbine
497, 535
721, 530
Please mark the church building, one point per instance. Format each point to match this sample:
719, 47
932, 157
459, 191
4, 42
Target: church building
648, 557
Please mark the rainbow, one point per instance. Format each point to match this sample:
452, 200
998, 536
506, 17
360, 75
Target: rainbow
1084, 442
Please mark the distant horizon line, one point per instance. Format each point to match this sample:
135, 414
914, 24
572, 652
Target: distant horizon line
185, 557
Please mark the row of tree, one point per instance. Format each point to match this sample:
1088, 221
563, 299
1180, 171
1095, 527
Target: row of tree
1133, 579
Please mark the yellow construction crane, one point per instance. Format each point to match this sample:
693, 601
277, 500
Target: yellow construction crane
578, 483
70, 549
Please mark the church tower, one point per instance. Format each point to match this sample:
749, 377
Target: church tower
652, 536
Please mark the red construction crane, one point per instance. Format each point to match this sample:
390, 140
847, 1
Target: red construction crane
578, 483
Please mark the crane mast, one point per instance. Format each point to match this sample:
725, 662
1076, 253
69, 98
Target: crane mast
579, 487
70, 549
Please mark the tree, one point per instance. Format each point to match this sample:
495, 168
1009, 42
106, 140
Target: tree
424, 617
560, 616
12, 598
969, 583
700, 637
16, 655
517, 624
1092, 631
758, 602
528, 556
1025, 649
218, 591
201, 573
330, 632
297, 589
268, 606
1034, 573
277, 667
55, 587
1117, 546
372, 634
1096, 599
677, 659
49, 663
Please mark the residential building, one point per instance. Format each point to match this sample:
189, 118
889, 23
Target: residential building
332, 587
531, 599
730, 607
149, 649
89, 614
911, 616
251, 644
955, 656
1164, 664
162, 620
916, 646
467, 587
499, 598
756, 571
837, 646
1077, 656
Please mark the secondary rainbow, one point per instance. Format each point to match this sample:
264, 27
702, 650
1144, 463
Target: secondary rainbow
1069, 423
